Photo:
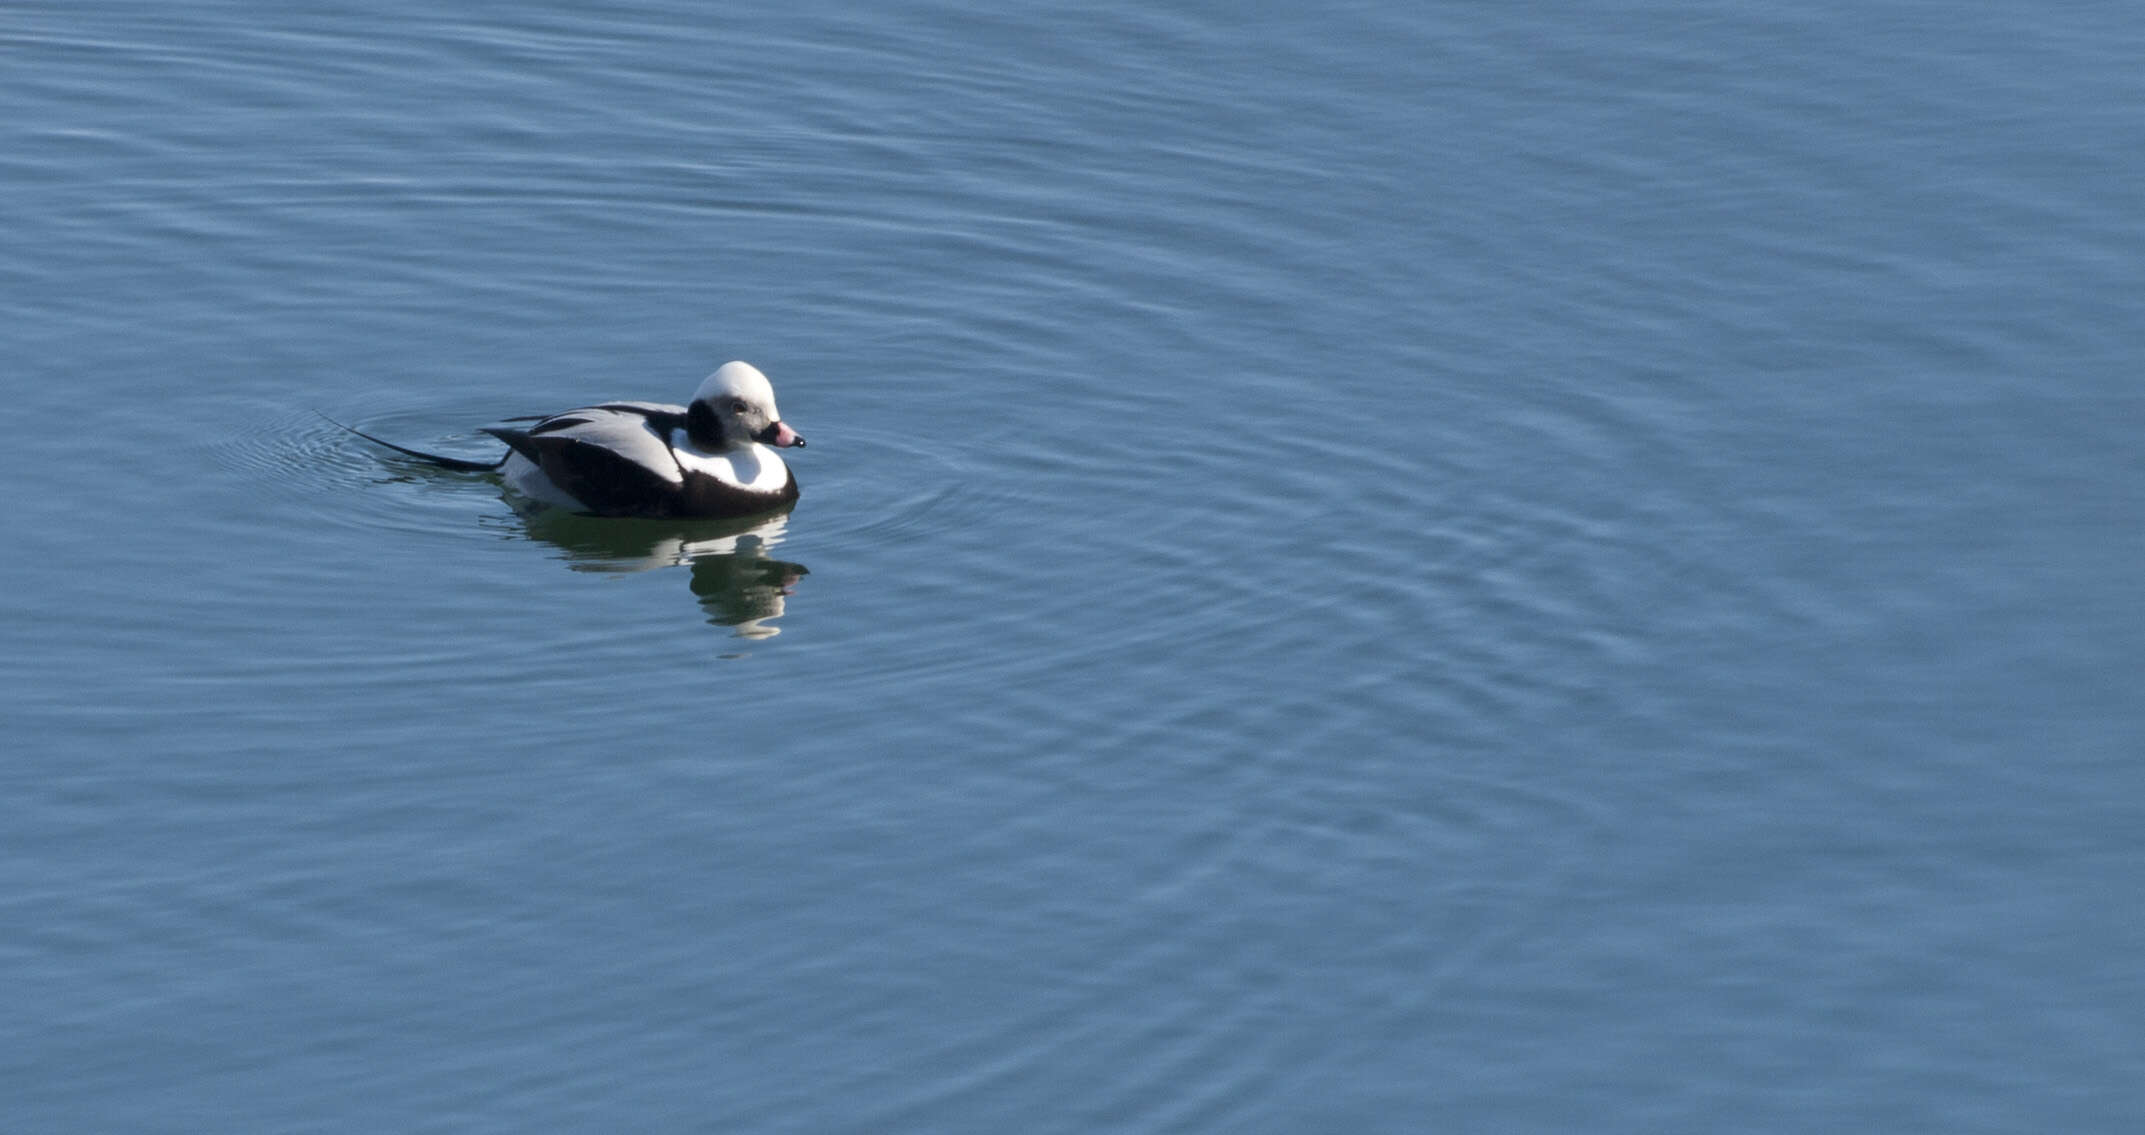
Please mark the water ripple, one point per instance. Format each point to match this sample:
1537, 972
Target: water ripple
341, 479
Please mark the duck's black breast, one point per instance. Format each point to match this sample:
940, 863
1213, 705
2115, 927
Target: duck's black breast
703, 495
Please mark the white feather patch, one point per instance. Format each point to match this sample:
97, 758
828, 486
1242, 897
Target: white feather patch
752, 467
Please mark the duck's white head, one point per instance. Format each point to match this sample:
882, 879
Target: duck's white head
734, 407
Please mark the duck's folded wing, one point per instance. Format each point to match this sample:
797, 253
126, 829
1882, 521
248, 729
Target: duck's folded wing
614, 459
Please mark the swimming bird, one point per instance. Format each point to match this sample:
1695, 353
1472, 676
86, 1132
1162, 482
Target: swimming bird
715, 456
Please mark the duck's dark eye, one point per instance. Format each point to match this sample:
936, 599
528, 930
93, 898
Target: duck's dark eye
737, 405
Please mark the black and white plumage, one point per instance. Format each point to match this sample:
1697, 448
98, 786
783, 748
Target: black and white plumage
713, 457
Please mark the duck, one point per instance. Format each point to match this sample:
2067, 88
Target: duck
716, 456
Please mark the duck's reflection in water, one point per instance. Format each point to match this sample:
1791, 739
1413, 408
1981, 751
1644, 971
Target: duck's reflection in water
739, 584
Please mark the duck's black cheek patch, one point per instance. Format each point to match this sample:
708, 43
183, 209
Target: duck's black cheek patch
702, 426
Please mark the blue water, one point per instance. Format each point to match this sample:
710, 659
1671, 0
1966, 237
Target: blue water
1379, 568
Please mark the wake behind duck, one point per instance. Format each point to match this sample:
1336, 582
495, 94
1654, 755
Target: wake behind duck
713, 457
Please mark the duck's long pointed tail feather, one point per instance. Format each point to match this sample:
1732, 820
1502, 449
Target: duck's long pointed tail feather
456, 463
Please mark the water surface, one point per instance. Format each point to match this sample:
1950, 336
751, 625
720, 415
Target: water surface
1393, 568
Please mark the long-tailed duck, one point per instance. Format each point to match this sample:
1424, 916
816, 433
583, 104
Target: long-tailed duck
714, 457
